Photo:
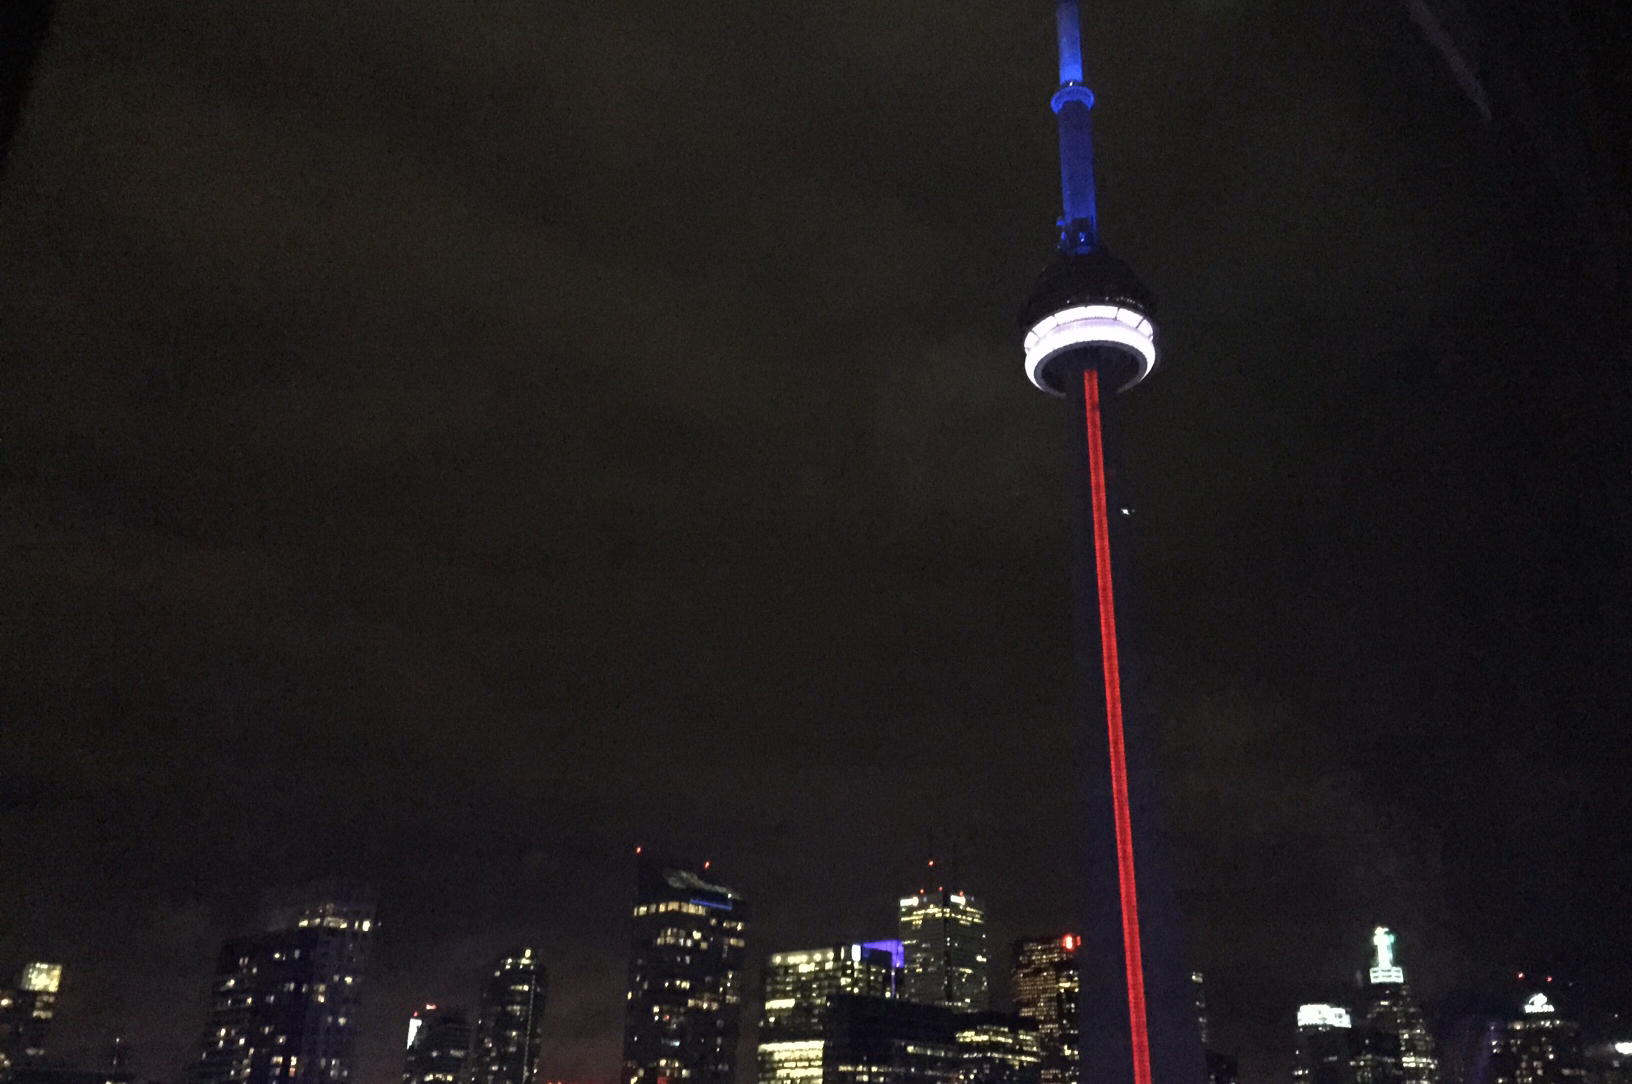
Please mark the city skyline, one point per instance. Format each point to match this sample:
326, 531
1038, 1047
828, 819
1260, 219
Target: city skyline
1518, 1039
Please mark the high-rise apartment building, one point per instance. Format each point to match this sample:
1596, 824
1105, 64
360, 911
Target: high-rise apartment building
798, 988
438, 1046
943, 934
685, 978
1045, 984
509, 1023
1538, 1047
25, 1015
283, 1004
997, 1048
1325, 1048
1394, 1046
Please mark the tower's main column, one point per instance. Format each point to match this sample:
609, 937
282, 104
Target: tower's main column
1089, 336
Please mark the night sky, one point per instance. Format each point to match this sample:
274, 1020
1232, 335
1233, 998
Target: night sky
449, 442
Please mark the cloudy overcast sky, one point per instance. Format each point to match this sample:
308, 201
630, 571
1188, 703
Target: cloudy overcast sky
449, 442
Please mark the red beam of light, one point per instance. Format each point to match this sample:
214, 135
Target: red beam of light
1132, 954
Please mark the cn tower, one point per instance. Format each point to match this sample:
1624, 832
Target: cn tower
1090, 337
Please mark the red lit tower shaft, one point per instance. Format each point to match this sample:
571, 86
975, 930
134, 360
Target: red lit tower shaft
1139, 1020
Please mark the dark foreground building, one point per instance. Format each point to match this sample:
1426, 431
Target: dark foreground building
1090, 336
283, 1006
509, 1026
875, 1040
685, 978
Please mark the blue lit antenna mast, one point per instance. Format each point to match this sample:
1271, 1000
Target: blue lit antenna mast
1079, 224
1089, 334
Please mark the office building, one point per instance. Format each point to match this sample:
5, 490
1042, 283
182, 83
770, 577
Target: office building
943, 936
505, 1046
1393, 1045
1325, 1048
283, 1004
1539, 1046
799, 984
25, 1015
997, 1048
1045, 984
798, 987
878, 1040
1090, 337
685, 978
438, 1049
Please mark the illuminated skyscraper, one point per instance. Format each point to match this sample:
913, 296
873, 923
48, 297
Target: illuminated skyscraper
1045, 986
943, 935
799, 986
1089, 336
438, 1047
1538, 1047
685, 978
25, 1015
509, 1023
1394, 1044
1325, 1051
283, 1006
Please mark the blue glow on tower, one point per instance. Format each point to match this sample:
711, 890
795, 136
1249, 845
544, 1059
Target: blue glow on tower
1070, 43
1079, 221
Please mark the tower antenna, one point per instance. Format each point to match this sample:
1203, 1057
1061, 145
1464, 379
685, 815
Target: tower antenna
1079, 218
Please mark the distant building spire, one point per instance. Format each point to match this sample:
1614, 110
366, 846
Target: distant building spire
1384, 970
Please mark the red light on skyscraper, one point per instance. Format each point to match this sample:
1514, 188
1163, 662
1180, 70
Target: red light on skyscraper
1069, 942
